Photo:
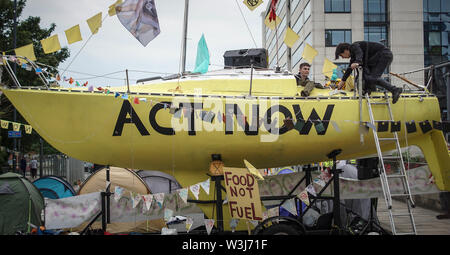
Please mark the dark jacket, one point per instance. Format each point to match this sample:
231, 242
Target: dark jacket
365, 54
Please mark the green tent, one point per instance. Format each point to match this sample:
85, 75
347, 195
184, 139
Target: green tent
20, 203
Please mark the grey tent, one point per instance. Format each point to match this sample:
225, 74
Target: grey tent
159, 182
21, 203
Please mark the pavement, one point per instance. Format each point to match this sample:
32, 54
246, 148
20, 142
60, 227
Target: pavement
425, 219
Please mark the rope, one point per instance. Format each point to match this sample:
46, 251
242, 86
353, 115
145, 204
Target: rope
84, 45
245, 21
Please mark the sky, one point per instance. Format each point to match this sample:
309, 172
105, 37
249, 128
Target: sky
113, 49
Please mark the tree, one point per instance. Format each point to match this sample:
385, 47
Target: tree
28, 31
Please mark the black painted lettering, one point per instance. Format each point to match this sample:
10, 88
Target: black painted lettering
123, 119
155, 125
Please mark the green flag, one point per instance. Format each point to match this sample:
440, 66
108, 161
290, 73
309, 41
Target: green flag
202, 60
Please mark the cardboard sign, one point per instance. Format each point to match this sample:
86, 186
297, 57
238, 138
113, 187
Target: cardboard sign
243, 194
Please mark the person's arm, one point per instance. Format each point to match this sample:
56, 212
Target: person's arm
347, 73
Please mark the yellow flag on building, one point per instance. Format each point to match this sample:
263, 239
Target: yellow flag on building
328, 68
26, 51
253, 4
73, 34
309, 53
4, 124
290, 37
28, 129
16, 126
51, 44
112, 8
271, 24
95, 22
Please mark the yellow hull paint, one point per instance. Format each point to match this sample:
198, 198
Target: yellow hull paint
83, 125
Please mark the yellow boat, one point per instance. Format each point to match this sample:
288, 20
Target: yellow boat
175, 126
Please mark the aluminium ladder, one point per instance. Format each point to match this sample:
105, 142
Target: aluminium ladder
385, 177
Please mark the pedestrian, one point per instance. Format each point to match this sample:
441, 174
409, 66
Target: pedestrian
302, 79
23, 165
33, 167
373, 57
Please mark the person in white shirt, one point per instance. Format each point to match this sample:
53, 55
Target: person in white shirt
33, 167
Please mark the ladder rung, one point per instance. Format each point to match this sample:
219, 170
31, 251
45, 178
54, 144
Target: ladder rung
387, 139
399, 195
401, 214
406, 233
390, 157
379, 103
395, 176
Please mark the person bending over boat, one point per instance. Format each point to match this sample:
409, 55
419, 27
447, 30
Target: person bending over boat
374, 58
303, 80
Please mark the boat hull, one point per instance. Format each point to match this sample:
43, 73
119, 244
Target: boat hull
109, 130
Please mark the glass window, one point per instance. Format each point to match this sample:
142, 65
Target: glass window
337, 6
297, 56
445, 6
333, 37
434, 5
294, 4
298, 24
375, 10
375, 33
434, 39
307, 10
282, 26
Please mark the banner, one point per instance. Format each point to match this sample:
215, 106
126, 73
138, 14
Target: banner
71, 212
243, 194
140, 18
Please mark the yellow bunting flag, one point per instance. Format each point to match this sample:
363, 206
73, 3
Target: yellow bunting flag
28, 129
309, 53
51, 44
271, 24
253, 170
112, 8
26, 51
290, 37
4, 124
73, 34
16, 126
253, 4
328, 68
95, 22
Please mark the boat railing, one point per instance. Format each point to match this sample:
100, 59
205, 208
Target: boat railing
25, 63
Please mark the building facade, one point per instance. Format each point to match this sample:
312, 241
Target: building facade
417, 32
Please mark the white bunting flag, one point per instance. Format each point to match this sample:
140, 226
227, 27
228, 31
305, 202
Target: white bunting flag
167, 214
159, 197
319, 182
189, 223
135, 198
233, 224
209, 224
148, 199
303, 196
118, 192
195, 189
205, 185
290, 206
311, 190
183, 193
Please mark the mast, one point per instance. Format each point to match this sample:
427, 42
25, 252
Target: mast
183, 48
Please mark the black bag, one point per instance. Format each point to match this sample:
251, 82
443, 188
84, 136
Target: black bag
367, 168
